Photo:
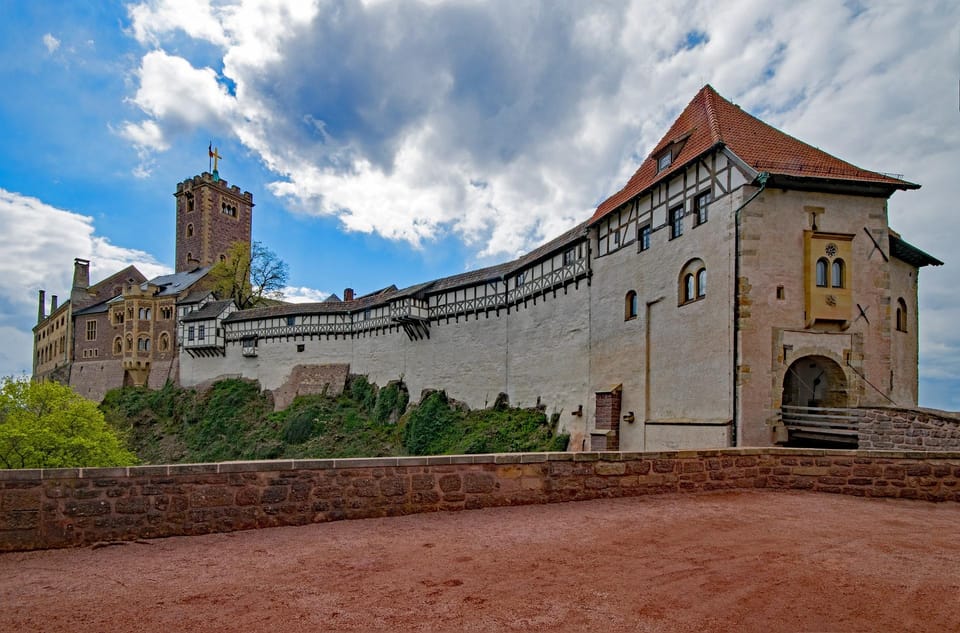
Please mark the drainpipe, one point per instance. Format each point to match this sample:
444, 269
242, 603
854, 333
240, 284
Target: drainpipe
761, 178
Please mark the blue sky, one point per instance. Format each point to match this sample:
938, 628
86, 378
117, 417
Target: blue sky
396, 142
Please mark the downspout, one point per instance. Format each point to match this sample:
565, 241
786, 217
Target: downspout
761, 178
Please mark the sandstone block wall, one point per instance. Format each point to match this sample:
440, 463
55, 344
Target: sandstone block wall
307, 380
75, 507
909, 429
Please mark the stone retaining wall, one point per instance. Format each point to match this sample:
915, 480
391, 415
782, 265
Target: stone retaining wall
894, 428
74, 507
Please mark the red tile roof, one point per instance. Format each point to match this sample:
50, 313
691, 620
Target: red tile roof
710, 121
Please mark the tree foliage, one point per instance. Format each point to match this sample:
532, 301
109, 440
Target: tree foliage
249, 275
48, 425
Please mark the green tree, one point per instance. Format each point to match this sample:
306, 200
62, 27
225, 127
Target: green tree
249, 275
48, 425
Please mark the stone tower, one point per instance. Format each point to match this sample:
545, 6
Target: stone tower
211, 217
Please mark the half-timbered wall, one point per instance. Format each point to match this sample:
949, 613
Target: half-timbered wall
714, 173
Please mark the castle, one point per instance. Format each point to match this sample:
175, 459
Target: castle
738, 272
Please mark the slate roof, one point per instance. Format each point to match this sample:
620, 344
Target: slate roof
709, 121
911, 254
382, 296
175, 283
211, 310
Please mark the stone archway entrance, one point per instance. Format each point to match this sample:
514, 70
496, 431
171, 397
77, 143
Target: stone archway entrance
815, 381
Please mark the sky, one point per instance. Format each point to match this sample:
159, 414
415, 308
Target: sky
397, 142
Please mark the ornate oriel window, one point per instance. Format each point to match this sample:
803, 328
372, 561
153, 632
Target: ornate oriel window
828, 279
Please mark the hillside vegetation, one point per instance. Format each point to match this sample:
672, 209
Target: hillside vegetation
234, 420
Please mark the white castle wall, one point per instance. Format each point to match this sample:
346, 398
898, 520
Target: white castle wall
535, 352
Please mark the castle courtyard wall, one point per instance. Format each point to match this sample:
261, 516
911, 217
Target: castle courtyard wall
76, 507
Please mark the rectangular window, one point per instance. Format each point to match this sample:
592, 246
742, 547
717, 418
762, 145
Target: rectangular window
644, 237
676, 222
616, 236
300, 347
118, 317
701, 203
569, 256
291, 320
664, 161
201, 332
91, 330
190, 333
519, 280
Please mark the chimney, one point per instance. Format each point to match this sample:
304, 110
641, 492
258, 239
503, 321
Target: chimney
348, 294
81, 274
53, 304
40, 313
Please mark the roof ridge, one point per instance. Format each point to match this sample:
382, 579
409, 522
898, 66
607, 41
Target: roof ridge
713, 120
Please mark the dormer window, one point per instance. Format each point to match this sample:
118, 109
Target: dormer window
664, 161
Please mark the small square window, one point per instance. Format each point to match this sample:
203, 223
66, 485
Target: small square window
664, 161
291, 320
301, 347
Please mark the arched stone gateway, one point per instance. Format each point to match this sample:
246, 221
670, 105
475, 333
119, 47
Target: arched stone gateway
816, 398
815, 381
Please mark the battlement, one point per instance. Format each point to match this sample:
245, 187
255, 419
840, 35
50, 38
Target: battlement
207, 177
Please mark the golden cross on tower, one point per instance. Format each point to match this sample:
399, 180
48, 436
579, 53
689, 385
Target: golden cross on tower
215, 156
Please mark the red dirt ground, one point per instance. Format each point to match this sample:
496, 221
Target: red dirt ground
731, 561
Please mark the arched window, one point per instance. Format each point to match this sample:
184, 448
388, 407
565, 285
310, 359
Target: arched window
822, 272
836, 274
689, 288
143, 344
129, 343
118, 345
630, 307
189, 230
693, 281
901, 315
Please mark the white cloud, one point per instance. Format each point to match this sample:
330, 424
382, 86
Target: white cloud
41, 243
302, 294
154, 20
51, 43
180, 96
